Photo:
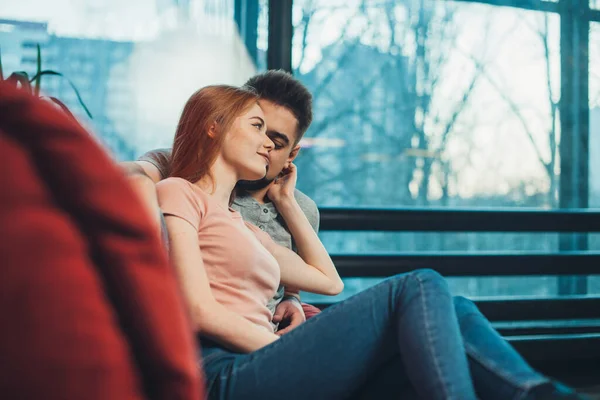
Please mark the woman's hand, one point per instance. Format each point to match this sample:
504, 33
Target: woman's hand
282, 189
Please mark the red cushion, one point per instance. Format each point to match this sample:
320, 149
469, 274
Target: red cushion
310, 311
90, 307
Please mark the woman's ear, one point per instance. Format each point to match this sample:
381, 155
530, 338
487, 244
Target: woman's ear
212, 131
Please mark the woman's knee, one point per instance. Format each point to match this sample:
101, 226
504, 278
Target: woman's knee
424, 278
427, 274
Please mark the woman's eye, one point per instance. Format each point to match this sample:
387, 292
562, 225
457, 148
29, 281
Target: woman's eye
258, 126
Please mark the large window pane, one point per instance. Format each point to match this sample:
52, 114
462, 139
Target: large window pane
431, 104
135, 63
452, 104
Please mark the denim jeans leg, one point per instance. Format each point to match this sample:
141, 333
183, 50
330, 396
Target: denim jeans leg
498, 370
332, 355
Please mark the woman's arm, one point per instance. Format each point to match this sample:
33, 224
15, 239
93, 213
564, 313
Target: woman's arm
208, 316
311, 269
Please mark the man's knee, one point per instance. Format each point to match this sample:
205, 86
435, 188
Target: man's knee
464, 306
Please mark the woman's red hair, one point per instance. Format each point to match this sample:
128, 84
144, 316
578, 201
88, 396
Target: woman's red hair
194, 150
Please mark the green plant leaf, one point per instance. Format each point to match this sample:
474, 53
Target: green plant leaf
54, 73
38, 81
63, 107
47, 72
1, 72
22, 78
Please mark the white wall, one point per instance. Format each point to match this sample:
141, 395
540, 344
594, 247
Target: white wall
166, 71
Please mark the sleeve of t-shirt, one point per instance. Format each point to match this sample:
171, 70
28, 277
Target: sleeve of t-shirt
315, 218
161, 159
177, 197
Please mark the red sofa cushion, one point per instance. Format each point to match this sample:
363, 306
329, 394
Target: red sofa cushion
90, 307
310, 310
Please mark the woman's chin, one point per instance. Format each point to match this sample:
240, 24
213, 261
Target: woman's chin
255, 175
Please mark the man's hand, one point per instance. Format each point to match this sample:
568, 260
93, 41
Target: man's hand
289, 313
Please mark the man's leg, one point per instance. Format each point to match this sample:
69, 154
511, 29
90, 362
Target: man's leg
498, 371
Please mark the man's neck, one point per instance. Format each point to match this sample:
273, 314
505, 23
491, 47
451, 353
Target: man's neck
260, 195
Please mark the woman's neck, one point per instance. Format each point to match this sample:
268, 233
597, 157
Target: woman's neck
221, 185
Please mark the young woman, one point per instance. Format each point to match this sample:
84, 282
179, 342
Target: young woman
406, 325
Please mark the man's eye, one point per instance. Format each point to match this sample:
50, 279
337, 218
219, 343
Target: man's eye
278, 145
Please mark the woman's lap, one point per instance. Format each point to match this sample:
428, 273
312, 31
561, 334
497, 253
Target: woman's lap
290, 365
330, 356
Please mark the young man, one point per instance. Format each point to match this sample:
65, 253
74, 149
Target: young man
287, 106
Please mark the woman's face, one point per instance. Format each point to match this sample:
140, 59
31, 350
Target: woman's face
246, 146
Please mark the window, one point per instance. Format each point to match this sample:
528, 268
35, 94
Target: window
158, 54
417, 104
461, 104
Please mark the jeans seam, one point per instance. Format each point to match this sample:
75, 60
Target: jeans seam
429, 337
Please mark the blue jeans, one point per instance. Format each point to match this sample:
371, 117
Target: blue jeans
497, 370
408, 330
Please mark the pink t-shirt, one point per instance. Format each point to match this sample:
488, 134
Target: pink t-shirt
243, 275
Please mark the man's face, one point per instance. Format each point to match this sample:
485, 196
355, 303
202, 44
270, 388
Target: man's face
282, 130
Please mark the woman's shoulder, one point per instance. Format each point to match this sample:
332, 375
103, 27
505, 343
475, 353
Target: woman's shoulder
182, 186
178, 194
175, 182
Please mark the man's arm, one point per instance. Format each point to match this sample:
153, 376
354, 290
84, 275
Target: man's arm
142, 168
145, 189
155, 164
144, 173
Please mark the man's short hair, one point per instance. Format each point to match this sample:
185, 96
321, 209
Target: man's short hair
283, 89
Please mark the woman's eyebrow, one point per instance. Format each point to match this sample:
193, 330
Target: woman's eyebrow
258, 118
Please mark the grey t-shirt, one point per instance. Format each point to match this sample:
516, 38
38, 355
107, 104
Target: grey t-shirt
265, 216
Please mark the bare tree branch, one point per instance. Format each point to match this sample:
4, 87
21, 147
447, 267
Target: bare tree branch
514, 108
307, 14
